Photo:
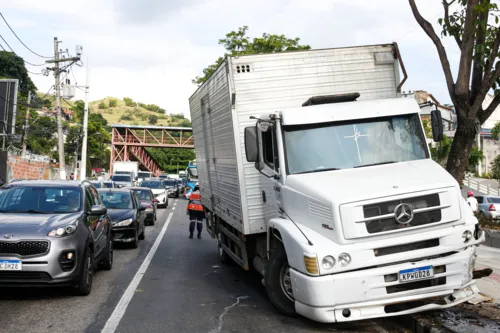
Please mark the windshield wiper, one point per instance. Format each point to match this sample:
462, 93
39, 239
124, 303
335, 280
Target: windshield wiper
318, 170
372, 164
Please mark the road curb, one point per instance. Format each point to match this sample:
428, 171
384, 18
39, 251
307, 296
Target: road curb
418, 323
492, 238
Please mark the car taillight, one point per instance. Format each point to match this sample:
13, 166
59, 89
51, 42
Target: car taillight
492, 208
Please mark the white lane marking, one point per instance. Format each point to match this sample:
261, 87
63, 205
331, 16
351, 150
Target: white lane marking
120, 309
173, 208
226, 310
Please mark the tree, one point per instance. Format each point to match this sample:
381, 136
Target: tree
12, 67
238, 43
102, 105
441, 151
112, 103
152, 119
474, 27
475, 157
495, 168
129, 101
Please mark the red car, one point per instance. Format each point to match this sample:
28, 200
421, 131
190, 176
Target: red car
148, 201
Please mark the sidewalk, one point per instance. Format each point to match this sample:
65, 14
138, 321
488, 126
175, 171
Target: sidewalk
489, 257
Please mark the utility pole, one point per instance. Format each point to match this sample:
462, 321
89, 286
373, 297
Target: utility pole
83, 165
26, 125
57, 73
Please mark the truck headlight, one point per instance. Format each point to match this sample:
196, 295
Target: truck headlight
63, 231
466, 236
124, 223
344, 259
328, 262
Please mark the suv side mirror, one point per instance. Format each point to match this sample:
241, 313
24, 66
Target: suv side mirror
251, 144
437, 126
98, 210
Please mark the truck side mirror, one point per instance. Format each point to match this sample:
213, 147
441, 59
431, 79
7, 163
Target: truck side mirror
251, 145
437, 126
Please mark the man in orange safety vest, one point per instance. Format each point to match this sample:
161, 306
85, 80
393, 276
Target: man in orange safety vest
196, 212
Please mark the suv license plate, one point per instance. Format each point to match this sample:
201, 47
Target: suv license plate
11, 265
416, 274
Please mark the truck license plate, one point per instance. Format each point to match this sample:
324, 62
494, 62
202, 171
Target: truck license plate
415, 274
11, 265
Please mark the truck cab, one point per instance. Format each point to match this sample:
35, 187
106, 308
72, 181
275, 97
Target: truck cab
360, 217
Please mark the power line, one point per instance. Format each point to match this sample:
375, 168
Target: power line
34, 73
19, 39
29, 63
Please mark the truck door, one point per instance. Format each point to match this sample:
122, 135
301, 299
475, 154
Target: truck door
209, 190
272, 189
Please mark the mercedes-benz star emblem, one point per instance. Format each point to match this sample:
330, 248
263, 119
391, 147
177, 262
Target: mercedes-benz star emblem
8, 236
403, 213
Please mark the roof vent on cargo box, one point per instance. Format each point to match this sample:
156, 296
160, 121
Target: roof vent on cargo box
243, 69
327, 99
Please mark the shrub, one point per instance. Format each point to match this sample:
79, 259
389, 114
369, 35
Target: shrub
112, 103
152, 119
102, 105
129, 101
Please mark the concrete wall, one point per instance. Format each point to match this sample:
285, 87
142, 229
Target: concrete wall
491, 149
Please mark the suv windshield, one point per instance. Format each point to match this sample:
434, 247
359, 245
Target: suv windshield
144, 195
116, 200
121, 178
40, 199
152, 184
170, 182
354, 144
96, 184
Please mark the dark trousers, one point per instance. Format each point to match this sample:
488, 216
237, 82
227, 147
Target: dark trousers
199, 226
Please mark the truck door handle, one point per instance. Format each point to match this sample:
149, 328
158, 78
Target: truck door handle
264, 196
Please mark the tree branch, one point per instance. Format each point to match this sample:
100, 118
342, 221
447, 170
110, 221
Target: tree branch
483, 115
443, 57
446, 6
478, 69
464, 69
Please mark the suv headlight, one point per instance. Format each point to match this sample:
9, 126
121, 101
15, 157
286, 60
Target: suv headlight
67, 230
124, 223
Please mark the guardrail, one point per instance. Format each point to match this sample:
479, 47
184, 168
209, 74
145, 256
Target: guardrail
484, 189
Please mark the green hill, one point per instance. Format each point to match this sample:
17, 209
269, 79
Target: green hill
134, 115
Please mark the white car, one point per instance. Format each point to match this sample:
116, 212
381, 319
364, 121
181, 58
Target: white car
159, 190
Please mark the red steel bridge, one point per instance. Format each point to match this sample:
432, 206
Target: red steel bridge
129, 142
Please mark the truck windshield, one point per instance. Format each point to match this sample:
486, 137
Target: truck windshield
353, 144
144, 175
121, 178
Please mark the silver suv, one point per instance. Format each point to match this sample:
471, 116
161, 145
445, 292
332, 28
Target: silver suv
53, 233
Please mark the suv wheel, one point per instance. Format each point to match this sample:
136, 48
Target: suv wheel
107, 261
85, 284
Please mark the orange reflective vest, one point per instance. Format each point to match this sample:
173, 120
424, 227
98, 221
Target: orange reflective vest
195, 206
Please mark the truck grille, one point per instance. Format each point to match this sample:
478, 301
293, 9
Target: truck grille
384, 251
426, 210
24, 248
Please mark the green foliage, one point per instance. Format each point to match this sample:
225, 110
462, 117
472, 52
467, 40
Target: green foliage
112, 103
440, 152
12, 67
427, 128
129, 101
152, 119
102, 105
495, 131
41, 138
495, 168
127, 116
238, 43
184, 123
475, 156
152, 107
169, 157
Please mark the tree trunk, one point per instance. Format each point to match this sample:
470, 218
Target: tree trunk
460, 149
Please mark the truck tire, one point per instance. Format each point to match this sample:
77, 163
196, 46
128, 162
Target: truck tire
278, 282
223, 256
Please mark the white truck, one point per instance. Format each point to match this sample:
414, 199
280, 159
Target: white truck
126, 166
141, 175
335, 201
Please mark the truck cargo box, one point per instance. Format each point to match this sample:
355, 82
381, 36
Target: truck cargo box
250, 85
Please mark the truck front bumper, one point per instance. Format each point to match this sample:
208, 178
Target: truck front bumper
373, 292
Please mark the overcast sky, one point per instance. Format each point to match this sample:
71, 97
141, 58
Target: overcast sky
151, 49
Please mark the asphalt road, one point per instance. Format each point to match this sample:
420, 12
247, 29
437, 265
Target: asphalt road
180, 287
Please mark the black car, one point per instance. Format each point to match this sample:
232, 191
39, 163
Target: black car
54, 234
127, 215
172, 186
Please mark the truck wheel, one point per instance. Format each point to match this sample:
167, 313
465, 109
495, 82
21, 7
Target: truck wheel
223, 256
278, 282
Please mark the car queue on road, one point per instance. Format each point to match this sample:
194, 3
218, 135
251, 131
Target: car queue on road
57, 233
